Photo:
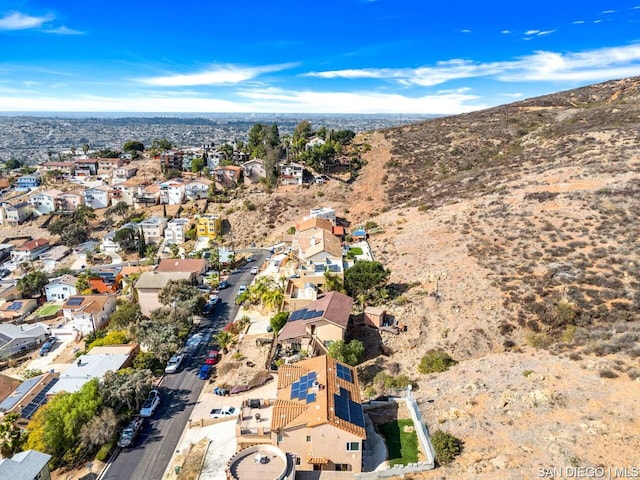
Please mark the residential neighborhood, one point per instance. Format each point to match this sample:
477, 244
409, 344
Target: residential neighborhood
83, 312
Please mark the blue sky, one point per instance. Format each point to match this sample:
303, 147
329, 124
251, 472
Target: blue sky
335, 56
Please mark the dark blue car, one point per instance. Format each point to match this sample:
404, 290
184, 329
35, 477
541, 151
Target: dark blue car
205, 371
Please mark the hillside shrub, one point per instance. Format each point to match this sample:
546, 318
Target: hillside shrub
435, 361
446, 446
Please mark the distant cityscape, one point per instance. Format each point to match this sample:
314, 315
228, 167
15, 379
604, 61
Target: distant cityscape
36, 137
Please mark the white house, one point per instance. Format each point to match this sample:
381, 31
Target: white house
44, 202
291, 174
153, 229
60, 288
20, 338
88, 313
29, 250
123, 173
52, 257
314, 142
213, 159
173, 191
176, 230
27, 465
198, 189
327, 213
97, 197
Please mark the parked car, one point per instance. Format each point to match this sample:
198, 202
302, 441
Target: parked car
150, 404
254, 270
174, 363
223, 284
242, 289
47, 346
213, 357
223, 412
130, 432
214, 299
205, 371
250, 258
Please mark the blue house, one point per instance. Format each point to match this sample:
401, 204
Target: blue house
28, 182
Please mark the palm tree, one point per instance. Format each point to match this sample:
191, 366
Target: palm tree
11, 438
225, 340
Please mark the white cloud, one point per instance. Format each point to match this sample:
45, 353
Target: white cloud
466, 30
227, 74
608, 11
506, 32
541, 66
65, 31
545, 32
578, 22
597, 21
20, 21
531, 32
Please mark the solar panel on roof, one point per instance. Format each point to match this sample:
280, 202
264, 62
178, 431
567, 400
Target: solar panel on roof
74, 301
344, 373
313, 376
356, 413
15, 306
311, 397
39, 400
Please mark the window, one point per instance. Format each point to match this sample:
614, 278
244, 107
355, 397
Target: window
308, 438
298, 462
343, 467
353, 446
280, 438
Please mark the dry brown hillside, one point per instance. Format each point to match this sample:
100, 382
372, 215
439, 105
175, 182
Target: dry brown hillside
512, 238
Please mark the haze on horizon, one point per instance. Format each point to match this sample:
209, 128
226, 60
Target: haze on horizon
349, 56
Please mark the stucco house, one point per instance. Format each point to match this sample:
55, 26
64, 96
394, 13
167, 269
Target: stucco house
146, 195
318, 416
69, 201
44, 202
176, 230
106, 166
66, 168
198, 189
153, 228
28, 182
60, 288
291, 174
29, 250
17, 310
172, 191
208, 226
88, 313
316, 245
149, 285
253, 171
97, 197
121, 174
314, 327
227, 176
195, 267
86, 167
18, 213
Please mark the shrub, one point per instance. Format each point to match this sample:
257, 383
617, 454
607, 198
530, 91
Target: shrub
435, 361
446, 446
147, 361
538, 340
526, 373
104, 451
115, 337
606, 373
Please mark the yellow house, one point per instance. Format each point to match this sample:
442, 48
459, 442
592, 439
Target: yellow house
208, 226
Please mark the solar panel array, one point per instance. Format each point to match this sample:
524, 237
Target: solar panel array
300, 388
348, 410
304, 314
15, 306
39, 400
75, 301
344, 373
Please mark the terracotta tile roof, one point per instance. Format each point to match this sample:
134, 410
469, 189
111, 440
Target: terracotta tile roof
191, 265
291, 413
338, 230
157, 280
33, 244
314, 222
317, 240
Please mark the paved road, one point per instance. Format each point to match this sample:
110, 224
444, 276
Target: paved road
155, 445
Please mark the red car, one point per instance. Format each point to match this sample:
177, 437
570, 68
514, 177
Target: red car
213, 357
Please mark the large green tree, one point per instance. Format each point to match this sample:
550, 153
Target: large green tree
127, 239
183, 297
350, 353
32, 283
366, 279
100, 429
133, 145
126, 387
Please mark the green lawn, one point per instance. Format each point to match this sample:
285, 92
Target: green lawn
356, 250
47, 310
402, 447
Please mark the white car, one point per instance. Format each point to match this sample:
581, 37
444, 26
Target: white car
150, 404
174, 363
242, 289
254, 270
224, 412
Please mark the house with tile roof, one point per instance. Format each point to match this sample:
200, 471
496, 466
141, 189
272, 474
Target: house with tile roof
86, 167
146, 195
27, 397
227, 176
198, 188
253, 171
70, 201
321, 322
172, 191
318, 416
17, 310
106, 166
66, 168
29, 250
317, 244
88, 313
45, 202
